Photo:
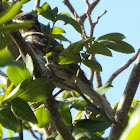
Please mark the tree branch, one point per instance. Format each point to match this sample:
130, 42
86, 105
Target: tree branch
92, 6
122, 68
57, 120
126, 100
37, 3
70, 7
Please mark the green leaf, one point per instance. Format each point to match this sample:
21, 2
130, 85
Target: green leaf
131, 132
46, 11
29, 64
16, 91
68, 20
119, 46
82, 133
5, 57
112, 36
8, 120
12, 11
122, 47
15, 26
98, 48
46, 6
71, 58
101, 90
18, 69
71, 54
4, 41
66, 115
57, 30
54, 136
38, 90
92, 125
78, 115
23, 110
60, 37
1, 131
92, 65
42, 116
13, 138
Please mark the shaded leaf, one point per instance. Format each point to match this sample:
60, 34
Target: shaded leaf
93, 125
5, 57
98, 48
92, 65
38, 90
82, 133
4, 41
18, 69
12, 138
8, 120
60, 37
42, 116
112, 36
66, 114
68, 20
119, 46
101, 90
23, 110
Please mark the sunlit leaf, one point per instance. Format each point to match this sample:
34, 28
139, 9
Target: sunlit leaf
29, 64
133, 127
23, 110
60, 37
78, 115
38, 90
15, 26
12, 11
18, 69
57, 30
42, 116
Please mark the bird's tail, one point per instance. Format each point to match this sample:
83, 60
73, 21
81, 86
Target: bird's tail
98, 100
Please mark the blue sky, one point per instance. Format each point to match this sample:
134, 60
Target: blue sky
123, 17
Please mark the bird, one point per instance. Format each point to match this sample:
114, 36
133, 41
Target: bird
63, 77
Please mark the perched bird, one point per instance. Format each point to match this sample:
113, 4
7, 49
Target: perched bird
62, 77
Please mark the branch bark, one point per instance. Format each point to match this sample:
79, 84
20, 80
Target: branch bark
126, 100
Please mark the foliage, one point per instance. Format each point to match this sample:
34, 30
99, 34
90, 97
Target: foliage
22, 86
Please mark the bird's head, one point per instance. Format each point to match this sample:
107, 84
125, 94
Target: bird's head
22, 17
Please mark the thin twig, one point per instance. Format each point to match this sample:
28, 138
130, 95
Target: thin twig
92, 6
21, 132
37, 3
58, 93
122, 68
126, 100
70, 7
